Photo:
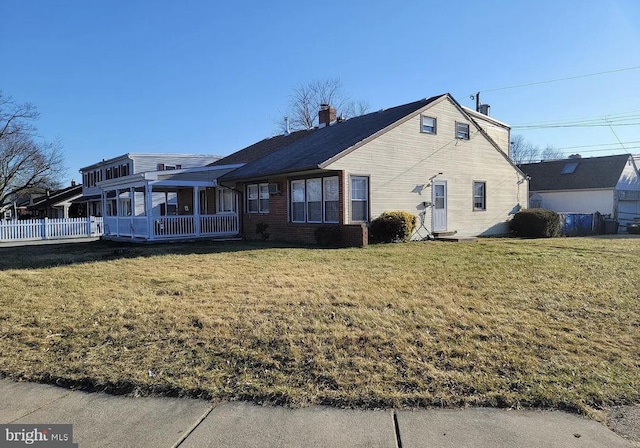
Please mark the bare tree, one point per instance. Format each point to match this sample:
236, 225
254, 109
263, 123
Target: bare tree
306, 99
26, 161
522, 151
551, 153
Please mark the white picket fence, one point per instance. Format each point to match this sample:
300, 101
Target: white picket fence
50, 229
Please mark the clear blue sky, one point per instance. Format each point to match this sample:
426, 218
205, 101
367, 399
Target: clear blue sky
111, 77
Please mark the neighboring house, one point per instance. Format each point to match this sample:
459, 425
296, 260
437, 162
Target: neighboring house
446, 164
131, 163
57, 204
609, 185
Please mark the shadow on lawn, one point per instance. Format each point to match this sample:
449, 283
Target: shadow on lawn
47, 256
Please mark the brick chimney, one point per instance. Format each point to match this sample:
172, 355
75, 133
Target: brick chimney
326, 115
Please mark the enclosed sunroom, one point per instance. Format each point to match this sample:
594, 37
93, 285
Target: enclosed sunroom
170, 205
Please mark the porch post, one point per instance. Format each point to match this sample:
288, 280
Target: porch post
117, 212
132, 201
148, 201
196, 211
103, 203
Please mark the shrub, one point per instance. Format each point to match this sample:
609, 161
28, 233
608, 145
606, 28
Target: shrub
328, 236
536, 223
261, 229
392, 227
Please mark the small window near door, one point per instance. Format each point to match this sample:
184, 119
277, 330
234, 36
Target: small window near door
479, 195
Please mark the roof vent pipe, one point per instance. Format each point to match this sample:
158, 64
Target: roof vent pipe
287, 131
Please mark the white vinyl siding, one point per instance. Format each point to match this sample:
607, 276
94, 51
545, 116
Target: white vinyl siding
400, 162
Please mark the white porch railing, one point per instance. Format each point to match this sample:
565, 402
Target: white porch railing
167, 227
50, 229
219, 224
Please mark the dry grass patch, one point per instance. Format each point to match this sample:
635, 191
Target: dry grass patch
550, 323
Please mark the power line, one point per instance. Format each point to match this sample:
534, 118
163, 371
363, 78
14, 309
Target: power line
551, 126
599, 145
559, 79
623, 116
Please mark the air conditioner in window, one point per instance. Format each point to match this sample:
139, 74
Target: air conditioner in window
274, 188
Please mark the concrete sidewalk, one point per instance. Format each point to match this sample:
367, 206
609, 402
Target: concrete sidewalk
101, 420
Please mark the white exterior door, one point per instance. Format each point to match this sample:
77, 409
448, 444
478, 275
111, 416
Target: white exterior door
439, 210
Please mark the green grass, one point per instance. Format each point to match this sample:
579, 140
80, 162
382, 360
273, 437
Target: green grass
551, 323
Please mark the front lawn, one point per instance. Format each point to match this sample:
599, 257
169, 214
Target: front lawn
551, 323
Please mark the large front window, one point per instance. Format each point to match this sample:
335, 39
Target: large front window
315, 200
359, 199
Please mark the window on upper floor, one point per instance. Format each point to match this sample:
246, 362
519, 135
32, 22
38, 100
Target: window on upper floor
462, 131
427, 125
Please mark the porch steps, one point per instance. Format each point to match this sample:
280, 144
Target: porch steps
456, 239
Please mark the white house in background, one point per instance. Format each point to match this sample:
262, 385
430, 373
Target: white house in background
131, 163
609, 185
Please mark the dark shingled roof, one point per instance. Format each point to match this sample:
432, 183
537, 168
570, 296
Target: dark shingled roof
262, 148
58, 196
594, 172
314, 148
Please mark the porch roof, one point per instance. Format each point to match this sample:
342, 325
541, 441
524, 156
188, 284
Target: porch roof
190, 177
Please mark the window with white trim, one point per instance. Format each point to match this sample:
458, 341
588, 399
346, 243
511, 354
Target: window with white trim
297, 201
359, 199
258, 198
226, 201
427, 125
462, 131
331, 198
479, 195
264, 198
315, 200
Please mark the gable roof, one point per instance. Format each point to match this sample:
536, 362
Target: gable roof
313, 149
589, 173
57, 197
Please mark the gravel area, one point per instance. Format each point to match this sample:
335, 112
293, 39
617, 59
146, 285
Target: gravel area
625, 420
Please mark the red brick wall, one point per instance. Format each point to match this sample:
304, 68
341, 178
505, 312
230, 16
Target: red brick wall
280, 229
